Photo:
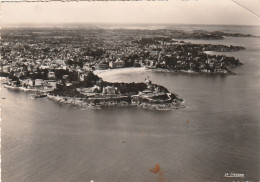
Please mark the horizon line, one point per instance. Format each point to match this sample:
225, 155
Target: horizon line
115, 23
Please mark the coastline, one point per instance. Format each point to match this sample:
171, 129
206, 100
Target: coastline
80, 102
23, 89
190, 71
110, 73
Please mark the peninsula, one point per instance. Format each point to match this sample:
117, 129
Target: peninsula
94, 93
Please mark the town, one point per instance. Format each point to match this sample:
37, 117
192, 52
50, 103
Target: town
61, 62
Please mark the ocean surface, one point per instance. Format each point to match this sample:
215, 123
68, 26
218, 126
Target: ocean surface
218, 132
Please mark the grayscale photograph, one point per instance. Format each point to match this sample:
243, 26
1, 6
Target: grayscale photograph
130, 91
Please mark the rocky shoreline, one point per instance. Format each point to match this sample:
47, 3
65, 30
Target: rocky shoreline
83, 103
189, 71
23, 89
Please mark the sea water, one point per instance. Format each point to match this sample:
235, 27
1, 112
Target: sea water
218, 132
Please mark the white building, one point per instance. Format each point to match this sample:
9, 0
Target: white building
50, 85
6, 69
117, 64
38, 82
27, 82
110, 90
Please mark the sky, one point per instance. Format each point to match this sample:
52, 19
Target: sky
224, 12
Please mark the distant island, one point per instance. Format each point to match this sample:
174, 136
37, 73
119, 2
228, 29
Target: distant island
181, 34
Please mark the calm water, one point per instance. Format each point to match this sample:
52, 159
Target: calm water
46, 141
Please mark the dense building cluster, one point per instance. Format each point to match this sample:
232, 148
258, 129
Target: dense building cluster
50, 59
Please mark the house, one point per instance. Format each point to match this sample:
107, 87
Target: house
44, 67
87, 67
110, 90
92, 91
17, 74
101, 66
119, 63
81, 77
27, 82
59, 62
50, 85
38, 82
65, 77
111, 64
30, 82
68, 84
150, 62
51, 74
6, 69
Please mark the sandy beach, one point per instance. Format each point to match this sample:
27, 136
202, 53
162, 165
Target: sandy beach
112, 75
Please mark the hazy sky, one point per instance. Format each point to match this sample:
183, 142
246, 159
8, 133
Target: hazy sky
172, 11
